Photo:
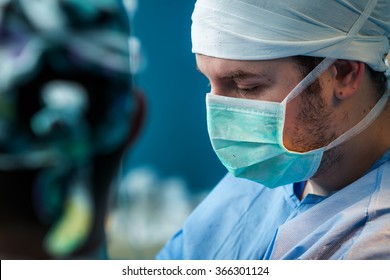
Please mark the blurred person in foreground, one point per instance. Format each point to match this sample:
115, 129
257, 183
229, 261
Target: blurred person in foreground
298, 113
68, 112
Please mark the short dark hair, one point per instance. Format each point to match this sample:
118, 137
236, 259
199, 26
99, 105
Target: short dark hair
379, 79
308, 63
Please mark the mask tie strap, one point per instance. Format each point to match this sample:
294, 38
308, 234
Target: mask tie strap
309, 79
328, 61
363, 124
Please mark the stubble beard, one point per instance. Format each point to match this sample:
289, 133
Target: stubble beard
316, 128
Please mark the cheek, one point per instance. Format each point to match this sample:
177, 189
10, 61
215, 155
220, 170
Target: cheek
292, 129
309, 125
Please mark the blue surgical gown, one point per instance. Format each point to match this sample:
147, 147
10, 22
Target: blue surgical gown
241, 219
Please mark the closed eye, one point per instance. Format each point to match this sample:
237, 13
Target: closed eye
247, 91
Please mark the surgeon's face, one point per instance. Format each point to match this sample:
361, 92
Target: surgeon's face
309, 120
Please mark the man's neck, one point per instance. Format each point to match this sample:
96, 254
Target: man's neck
352, 160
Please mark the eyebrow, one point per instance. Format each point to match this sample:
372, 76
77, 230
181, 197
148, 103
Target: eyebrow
236, 74
240, 74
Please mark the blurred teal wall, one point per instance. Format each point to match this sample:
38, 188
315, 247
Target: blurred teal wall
174, 140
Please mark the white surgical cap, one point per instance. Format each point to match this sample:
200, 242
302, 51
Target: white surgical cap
267, 29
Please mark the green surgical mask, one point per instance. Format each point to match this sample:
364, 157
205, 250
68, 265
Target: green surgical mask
247, 136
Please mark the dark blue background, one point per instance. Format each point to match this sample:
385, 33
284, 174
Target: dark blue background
174, 140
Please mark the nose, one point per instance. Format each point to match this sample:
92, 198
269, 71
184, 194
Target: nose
224, 88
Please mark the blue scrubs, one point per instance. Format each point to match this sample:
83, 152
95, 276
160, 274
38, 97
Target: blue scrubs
241, 219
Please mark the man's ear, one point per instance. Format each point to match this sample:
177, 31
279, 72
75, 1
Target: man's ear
348, 76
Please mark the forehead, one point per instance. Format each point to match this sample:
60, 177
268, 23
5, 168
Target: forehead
213, 67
